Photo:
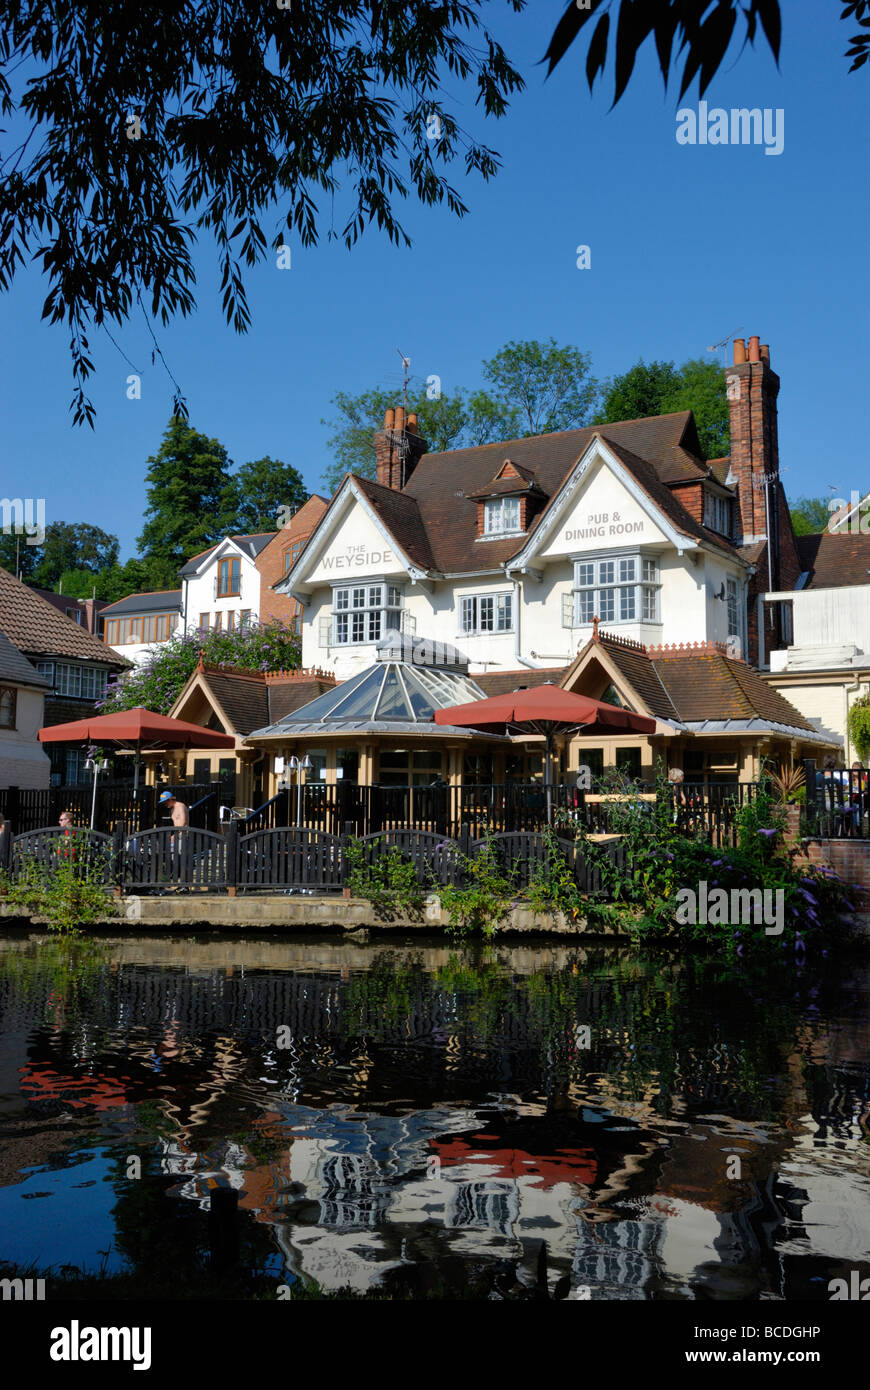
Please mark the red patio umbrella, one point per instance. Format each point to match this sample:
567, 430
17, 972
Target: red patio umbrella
544, 709
137, 729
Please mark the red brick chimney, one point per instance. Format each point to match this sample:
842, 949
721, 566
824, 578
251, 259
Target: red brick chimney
762, 507
398, 448
752, 391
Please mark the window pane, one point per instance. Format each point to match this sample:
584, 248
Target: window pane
505, 603
467, 623
341, 627
649, 605
394, 596
486, 606
626, 605
649, 571
511, 513
359, 598
606, 571
341, 598
626, 570
585, 606
585, 575
375, 591
357, 627
606, 605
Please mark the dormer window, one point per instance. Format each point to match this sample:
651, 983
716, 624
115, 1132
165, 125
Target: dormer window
229, 578
718, 513
501, 516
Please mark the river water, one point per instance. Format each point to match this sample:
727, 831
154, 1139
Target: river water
422, 1119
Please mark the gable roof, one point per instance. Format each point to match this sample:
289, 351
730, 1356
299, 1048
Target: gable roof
39, 629
251, 545
152, 601
834, 559
250, 699
442, 522
15, 667
694, 683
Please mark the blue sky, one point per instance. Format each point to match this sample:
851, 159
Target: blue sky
688, 245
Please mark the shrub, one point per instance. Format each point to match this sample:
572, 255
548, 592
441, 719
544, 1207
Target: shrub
384, 877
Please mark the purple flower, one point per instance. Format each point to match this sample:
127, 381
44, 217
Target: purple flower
716, 863
768, 833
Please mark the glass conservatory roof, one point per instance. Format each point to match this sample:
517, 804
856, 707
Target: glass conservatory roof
386, 692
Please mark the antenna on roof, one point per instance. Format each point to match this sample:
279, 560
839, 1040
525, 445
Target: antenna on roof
406, 362
723, 344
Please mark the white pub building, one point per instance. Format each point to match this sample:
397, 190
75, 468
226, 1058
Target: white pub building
614, 560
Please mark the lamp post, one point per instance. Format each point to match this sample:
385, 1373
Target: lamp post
299, 765
96, 765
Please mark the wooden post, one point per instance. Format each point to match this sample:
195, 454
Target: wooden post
231, 849
118, 857
347, 835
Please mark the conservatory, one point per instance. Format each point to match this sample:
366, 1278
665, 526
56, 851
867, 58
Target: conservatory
378, 728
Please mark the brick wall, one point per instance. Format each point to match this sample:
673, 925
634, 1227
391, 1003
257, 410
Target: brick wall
850, 859
271, 562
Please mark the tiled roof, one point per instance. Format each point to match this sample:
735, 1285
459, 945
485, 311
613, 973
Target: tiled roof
252, 545
506, 682
252, 699
697, 681
15, 667
835, 559
38, 629
154, 601
401, 515
442, 523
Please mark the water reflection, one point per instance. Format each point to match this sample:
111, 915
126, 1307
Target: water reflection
661, 1128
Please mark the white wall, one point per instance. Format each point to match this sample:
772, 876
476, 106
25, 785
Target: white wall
198, 595
23, 760
829, 617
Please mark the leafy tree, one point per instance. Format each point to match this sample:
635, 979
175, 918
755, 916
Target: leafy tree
702, 32
809, 515
259, 489
660, 388
638, 393
141, 126
159, 680
532, 387
72, 546
443, 423
190, 501
16, 556
536, 388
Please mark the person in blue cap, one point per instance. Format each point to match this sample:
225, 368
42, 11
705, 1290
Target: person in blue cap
177, 809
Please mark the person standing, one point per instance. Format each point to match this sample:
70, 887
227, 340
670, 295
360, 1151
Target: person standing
180, 820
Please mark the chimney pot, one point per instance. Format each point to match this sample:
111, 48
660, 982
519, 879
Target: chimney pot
754, 354
739, 351
411, 423
388, 419
400, 418
765, 353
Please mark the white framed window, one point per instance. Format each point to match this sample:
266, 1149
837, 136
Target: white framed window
364, 612
735, 615
718, 513
618, 589
75, 682
501, 515
481, 613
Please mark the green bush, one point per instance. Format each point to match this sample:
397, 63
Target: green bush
70, 890
486, 897
388, 880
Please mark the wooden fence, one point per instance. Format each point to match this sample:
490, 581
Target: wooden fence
283, 859
116, 805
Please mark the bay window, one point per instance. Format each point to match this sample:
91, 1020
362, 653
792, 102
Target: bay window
365, 612
616, 589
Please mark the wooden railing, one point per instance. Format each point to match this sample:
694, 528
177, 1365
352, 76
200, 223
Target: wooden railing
837, 802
